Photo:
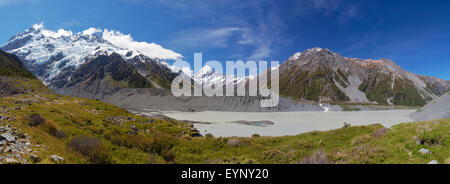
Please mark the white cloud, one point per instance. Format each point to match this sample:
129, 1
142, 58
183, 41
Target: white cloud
149, 49
38, 26
91, 31
50, 33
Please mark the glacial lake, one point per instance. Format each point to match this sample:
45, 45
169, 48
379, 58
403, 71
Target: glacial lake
222, 124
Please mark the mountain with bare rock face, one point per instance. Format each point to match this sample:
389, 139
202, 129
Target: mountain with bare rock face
321, 75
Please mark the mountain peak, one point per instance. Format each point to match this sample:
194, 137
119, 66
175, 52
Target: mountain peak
314, 50
319, 51
295, 56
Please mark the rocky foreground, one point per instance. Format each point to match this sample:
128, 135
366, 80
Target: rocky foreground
16, 148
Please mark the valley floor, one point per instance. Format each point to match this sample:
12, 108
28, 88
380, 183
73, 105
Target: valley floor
226, 124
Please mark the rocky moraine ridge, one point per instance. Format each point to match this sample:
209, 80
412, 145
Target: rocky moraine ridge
436, 109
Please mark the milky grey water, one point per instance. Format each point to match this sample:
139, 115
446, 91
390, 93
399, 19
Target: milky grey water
286, 123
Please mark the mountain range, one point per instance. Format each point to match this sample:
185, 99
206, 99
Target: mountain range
87, 65
321, 75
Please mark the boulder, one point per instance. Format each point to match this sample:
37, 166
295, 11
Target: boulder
35, 158
8, 137
7, 149
424, 151
11, 161
57, 158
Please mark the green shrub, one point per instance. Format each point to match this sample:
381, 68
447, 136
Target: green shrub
92, 148
156, 143
168, 155
430, 138
272, 156
60, 134
51, 129
35, 120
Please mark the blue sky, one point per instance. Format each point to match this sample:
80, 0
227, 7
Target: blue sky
415, 34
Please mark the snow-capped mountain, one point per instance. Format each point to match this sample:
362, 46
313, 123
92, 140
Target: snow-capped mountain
207, 76
52, 54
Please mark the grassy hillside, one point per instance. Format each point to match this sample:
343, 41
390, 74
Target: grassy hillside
11, 66
16, 79
313, 85
361, 145
37, 126
90, 131
378, 88
43, 128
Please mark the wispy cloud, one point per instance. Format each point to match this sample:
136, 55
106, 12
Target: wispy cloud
341, 9
233, 24
10, 2
211, 37
326, 6
72, 23
350, 12
225, 38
